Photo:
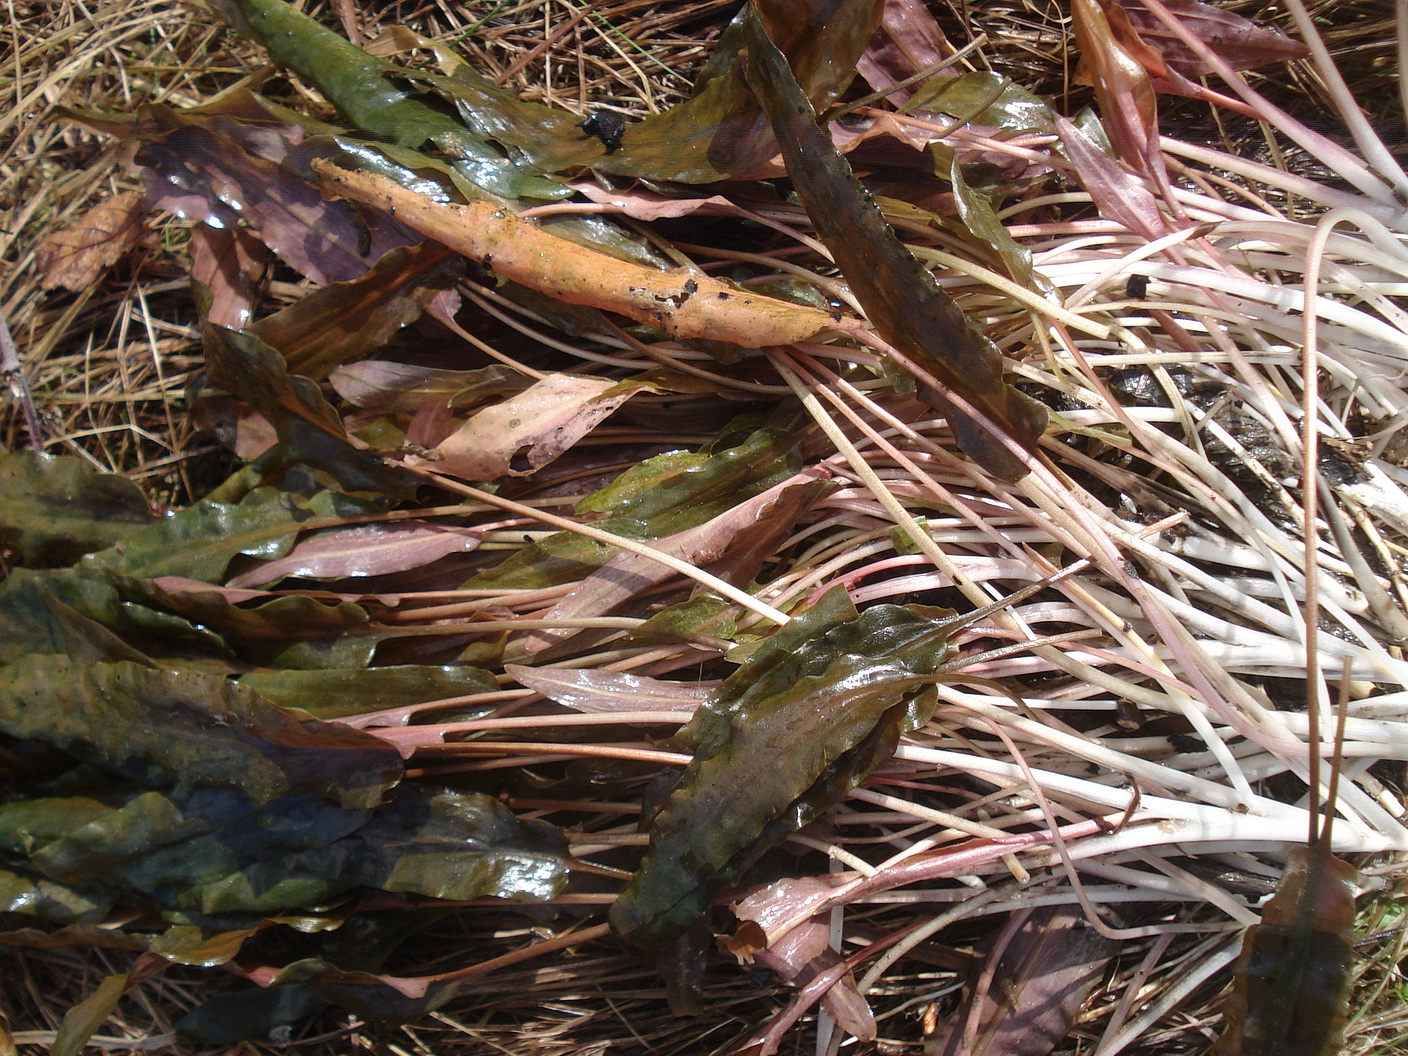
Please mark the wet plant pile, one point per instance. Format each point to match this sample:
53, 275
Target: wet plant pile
779, 561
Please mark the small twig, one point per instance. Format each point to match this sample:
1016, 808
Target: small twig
19, 388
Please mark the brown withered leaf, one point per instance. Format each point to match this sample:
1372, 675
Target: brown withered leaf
74, 256
1053, 962
902, 299
346, 321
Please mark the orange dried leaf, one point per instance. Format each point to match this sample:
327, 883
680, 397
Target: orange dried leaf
679, 302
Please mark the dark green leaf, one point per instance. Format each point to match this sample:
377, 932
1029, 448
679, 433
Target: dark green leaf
282, 618
309, 430
805, 718
55, 510
200, 541
243, 1015
198, 729
334, 694
901, 298
453, 845
370, 93
63, 611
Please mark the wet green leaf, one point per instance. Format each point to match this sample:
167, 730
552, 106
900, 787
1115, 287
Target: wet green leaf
197, 729
200, 541
979, 216
62, 611
309, 430
901, 298
373, 94
82, 1021
806, 717
985, 98
655, 498
334, 694
343, 322
715, 134
283, 619
215, 858
54, 510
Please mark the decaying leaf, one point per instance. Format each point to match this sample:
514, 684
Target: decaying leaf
901, 298
74, 256
1051, 962
343, 322
53, 510
677, 302
807, 716
524, 433
309, 429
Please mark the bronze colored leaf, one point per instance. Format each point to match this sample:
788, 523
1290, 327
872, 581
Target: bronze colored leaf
904, 302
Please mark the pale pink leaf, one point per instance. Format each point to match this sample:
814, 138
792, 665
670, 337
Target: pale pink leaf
591, 690
646, 205
363, 550
521, 435
1118, 195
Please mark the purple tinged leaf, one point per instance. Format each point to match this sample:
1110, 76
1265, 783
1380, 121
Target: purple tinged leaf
907, 41
381, 385
227, 267
1118, 195
1240, 42
594, 691
363, 550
